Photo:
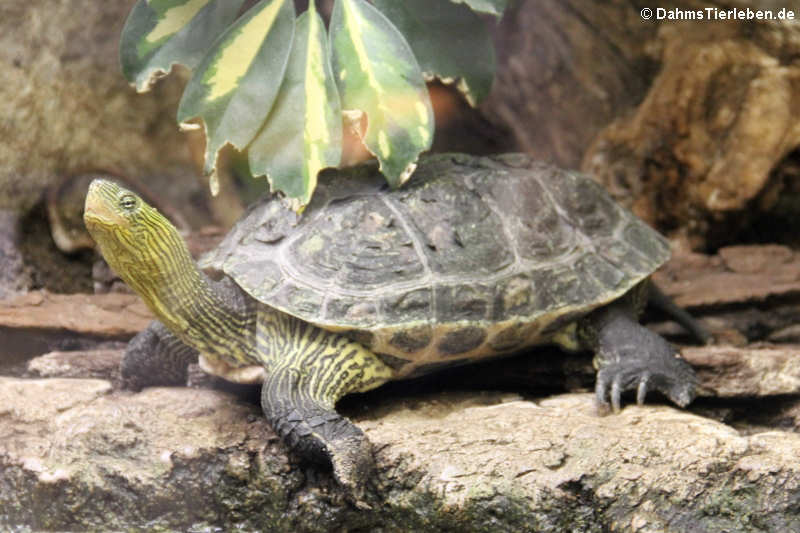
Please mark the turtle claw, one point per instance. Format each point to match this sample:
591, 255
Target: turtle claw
353, 464
616, 395
641, 390
629, 357
675, 379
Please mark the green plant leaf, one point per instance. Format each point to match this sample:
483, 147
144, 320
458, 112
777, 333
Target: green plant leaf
161, 33
303, 133
449, 40
235, 85
377, 74
492, 7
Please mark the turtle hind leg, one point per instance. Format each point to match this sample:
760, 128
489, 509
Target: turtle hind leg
629, 356
658, 299
308, 370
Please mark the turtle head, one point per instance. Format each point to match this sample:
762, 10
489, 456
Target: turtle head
137, 241
148, 253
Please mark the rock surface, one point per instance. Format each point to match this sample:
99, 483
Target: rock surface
67, 108
77, 456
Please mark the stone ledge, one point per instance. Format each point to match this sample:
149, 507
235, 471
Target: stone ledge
76, 455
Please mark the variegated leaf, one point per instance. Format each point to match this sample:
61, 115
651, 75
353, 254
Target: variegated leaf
303, 133
450, 41
235, 85
377, 74
161, 33
492, 7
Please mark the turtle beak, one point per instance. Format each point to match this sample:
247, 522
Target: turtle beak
99, 202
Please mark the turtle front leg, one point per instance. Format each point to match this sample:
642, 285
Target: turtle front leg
309, 369
155, 356
629, 356
310, 426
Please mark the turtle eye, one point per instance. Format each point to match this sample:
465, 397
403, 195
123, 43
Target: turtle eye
127, 202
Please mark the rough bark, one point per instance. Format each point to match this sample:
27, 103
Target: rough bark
565, 70
758, 370
736, 274
95, 364
701, 113
40, 322
717, 121
691, 123
747, 296
106, 315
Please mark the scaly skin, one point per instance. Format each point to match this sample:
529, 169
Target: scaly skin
307, 368
628, 356
148, 253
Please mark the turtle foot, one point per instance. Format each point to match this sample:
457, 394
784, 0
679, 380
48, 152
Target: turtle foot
673, 377
353, 465
325, 437
321, 435
629, 356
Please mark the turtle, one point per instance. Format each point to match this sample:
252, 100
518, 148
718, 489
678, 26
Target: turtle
474, 257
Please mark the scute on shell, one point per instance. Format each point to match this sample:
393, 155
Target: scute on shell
473, 256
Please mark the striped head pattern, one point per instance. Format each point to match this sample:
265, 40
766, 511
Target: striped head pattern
137, 241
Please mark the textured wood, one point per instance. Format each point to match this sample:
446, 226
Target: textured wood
737, 274
107, 315
690, 123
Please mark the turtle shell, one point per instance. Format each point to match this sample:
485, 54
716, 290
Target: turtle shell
474, 256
